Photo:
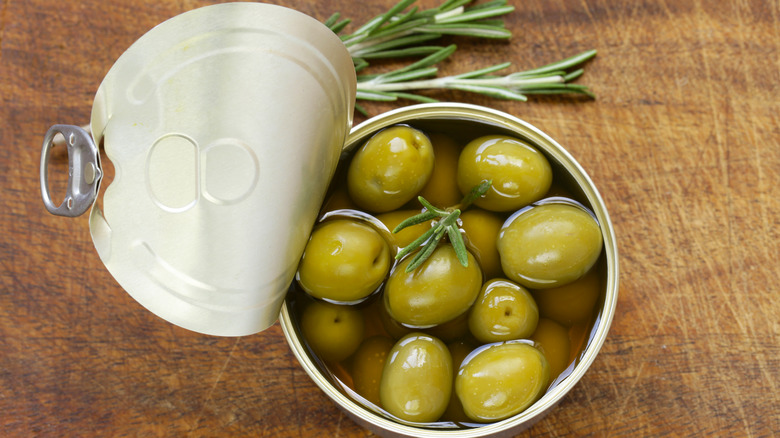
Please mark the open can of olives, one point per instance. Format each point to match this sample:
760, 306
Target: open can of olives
570, 182
197, 228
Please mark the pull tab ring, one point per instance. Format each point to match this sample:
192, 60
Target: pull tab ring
84, 171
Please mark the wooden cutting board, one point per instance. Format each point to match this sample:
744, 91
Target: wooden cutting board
682, 141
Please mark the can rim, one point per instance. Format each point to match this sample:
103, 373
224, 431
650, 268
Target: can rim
536, 411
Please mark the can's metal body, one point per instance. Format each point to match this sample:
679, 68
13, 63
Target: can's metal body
478, 120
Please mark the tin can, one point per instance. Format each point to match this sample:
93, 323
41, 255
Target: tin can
472, 121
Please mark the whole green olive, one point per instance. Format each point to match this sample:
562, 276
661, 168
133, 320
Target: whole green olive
570, 303
451, 330
442, 188
549, 245
337, 199
407, 235
367, 365
503, 311
390, 169
482, 228
417, 379
454, 412
332, 331
393, 328
520, 173
345, 260
497, 381
435, 292
552, 339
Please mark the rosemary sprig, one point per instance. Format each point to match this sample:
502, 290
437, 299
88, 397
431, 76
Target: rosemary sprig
404, 29
475, 193
395, 32
551, 79
447, 224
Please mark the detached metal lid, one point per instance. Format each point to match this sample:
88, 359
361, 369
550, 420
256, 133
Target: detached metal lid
224, 125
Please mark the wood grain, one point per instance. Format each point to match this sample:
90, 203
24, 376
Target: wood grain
682, 141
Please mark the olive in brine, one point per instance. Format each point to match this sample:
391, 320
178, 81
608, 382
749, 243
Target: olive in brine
482, 228
570, 303
435, 292
503, 311
417, 379
390, 169
519, 172
498, 381
442, 189
552, 339
345, 260
407, 235
549, 245
333, 331
459, 351
451, 330
368, 363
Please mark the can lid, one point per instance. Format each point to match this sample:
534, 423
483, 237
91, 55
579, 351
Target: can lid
224, 125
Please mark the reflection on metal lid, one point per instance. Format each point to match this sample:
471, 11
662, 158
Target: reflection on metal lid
224, 125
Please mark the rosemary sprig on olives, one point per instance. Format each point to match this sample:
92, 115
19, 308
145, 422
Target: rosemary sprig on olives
447, 224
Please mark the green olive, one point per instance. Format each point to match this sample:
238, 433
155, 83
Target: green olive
442, 189
454, 412
407, 235
437, 291
393, 328
332, 331
390, 169
459, 350
498, 381
482, 228
549, 245
417, 379
503, 311
570, 303
338, 199
367, 365
520, 173
552, 339
452, 330
345, 260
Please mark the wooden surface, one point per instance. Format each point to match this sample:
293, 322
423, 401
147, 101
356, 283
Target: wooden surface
683, 143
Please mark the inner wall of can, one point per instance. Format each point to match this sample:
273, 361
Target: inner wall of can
476, 120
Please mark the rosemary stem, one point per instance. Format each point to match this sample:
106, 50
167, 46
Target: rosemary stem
361, 47
451, 13
448, 82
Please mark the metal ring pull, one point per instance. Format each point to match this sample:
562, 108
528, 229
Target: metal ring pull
84, 171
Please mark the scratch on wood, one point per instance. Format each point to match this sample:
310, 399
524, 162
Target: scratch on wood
296, 402
623, 408
214, 386
757, 163
338, 425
